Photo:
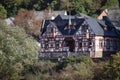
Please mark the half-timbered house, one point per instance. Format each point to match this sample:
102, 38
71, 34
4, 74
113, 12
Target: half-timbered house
74, 36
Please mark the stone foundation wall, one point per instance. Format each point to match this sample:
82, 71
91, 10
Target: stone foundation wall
56, 55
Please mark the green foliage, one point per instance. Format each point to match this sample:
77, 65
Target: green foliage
53, 4
46, 70
79, 68
15, 51
3, 12
89, 7
11, 6
113, 68
81, 59
42, 70
111, 3
79, 71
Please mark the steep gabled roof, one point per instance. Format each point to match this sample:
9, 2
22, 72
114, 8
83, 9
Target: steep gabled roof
114, 15
61, 25
97, 29
62, 21
44, 26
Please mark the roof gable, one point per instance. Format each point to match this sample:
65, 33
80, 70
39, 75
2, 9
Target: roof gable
95, 25
61, 25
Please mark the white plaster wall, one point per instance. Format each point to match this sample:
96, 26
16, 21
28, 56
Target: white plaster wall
97, 38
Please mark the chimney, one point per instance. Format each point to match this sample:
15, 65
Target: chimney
52, 18
65, 13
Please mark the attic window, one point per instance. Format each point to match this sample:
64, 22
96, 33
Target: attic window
69, 27
49, 29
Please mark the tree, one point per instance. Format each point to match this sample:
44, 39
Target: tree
113, 68
3, 12
111, 3
11, 6
15, 51
28, 21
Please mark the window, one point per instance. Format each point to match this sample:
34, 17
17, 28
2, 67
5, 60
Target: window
46, 45
84, 44
89, 43
80, 43
57, 44
100, 43
52, 43
50, 30
115, 44
107, 43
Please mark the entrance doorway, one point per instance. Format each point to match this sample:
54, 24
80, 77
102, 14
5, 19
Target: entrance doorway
70, 43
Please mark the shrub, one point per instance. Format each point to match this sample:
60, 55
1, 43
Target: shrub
112, 70
79, 68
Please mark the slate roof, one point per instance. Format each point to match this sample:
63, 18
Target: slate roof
63, 17
62, 24
114, 15
61, 21
97, 29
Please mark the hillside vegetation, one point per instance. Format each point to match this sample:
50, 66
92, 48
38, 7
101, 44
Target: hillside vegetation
15, 51
18, 61
19, 52
91, 7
